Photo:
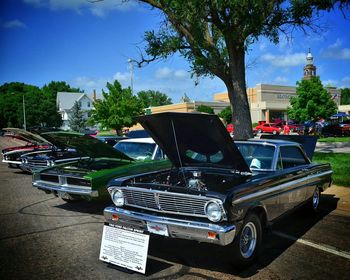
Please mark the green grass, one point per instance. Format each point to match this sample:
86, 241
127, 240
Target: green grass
106, 133
334, 139
340, 163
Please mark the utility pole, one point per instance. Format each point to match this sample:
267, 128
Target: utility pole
24, 113
131, 65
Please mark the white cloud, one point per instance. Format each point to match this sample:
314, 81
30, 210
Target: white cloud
122, 77
170, 86
85, 82
97, 83
281, 80
13, 24
330, 83
168, 73
97, 8
346, 80
164, 73
287, 60
335, 51
262, 46
181, 74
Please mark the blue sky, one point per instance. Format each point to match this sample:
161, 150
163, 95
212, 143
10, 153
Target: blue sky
87, 44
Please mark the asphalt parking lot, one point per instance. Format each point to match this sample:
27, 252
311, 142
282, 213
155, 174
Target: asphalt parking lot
43, 237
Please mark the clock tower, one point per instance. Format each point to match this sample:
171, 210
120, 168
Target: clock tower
309, 68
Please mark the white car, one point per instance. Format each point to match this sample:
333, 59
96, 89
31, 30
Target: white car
140, 149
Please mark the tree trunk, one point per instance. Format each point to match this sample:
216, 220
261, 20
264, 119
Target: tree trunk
237, 93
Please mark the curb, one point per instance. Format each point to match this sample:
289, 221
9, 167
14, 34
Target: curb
333, 145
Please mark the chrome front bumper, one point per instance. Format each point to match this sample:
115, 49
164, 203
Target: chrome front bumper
177, 228
29, 168
11, 162
55, 189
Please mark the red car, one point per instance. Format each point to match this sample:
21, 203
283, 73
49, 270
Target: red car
268, 128
34, 142
231, 129
292, 127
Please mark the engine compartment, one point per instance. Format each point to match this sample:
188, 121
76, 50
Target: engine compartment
193, 179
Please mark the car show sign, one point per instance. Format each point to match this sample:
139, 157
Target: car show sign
126, 248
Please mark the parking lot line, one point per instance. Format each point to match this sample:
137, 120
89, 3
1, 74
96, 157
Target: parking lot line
322, 247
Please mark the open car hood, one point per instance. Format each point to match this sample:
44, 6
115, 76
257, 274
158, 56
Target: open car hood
193, 139
86, 145
27, 136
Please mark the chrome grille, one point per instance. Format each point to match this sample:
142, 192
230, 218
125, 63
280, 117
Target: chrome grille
37, 163
77, 181
49, 178
173, 203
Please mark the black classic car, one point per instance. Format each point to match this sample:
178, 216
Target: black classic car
66, 147
217, 191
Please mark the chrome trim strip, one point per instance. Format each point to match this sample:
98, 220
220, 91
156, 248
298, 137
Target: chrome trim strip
279, 187
183, 228
67, 189
70, 159
11, 161
36, 152
17, 151
162, 192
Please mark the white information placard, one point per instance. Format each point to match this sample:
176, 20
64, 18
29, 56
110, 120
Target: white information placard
124, 248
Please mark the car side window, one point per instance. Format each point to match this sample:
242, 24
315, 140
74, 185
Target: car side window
159, 154
290, 156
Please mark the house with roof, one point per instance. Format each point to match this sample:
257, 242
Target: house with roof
65, 102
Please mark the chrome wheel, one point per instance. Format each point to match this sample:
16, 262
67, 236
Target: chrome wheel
316, 198
247, 242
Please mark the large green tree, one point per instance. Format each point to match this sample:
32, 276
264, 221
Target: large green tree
226, 114
312, 101
40, 108
76, 120
59, 86
205, 109
345, 96
117, 109
153, 98
213, 35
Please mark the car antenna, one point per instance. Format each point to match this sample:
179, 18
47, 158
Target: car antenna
177, 149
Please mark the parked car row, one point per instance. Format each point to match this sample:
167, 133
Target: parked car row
189, 181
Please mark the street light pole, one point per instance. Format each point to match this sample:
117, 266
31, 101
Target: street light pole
24, 114
130, 61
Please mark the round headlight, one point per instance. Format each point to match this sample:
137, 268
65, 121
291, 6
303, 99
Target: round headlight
214, 211
117, 197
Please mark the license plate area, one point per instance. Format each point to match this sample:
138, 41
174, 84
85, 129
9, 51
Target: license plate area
157, 228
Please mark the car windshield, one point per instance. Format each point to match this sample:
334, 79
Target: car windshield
257, 156
136, 150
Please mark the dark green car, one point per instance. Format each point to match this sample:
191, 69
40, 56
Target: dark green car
87, 178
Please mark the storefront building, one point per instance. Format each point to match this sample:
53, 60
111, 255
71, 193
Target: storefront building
270, 102
267, 102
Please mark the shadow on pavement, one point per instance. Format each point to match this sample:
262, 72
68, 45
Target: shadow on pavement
215, 258
82, 206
